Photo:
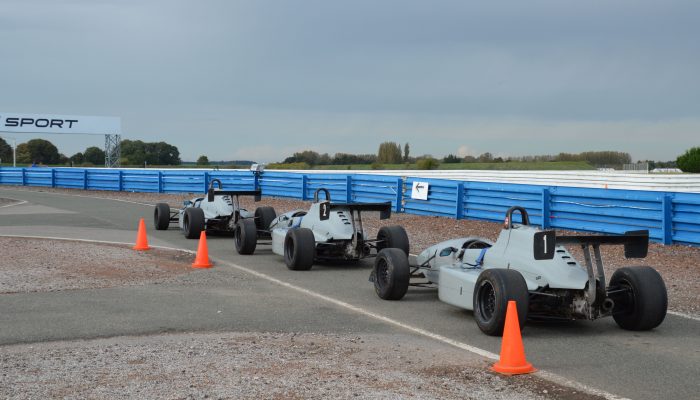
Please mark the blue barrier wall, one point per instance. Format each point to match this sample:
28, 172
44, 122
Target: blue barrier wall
670, 217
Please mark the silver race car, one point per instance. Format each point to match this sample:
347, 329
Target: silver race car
219, 211
331, 231
532, 267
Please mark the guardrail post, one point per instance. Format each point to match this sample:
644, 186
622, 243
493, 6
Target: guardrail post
399, 194
304, 183
545, 208
24, 177
460, 201
206, 181
348, 189
667, 219
160, 181
85, 179
53, 177
121, 180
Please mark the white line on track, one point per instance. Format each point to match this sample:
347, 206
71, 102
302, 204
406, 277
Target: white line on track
464, 346
19, 202
679, 314
65, 239
86, 196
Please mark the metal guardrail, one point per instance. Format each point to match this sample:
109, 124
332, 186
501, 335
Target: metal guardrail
671, 182
670, 217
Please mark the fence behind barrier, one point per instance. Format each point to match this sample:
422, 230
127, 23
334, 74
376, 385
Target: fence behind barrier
670, 217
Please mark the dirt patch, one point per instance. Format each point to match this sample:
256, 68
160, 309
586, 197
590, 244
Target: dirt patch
7, 202
260, 366
34, 265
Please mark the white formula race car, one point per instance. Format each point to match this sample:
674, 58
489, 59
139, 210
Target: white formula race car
219, 211
533, 268
331, 231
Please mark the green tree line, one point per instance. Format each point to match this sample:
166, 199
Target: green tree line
133, 152
390, 153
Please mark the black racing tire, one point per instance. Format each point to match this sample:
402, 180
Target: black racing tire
644, 306
493, 289
264, 217
245, 236
393, 236
161, 216
299, 249
391, 274
193, 222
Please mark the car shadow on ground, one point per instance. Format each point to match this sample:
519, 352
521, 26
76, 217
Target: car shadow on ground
343, 264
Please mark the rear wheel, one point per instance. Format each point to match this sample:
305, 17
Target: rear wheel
494, 288
193, 223
392, 237
391, 274
299, 249
161, 216
264, 217
644, 304
245, 236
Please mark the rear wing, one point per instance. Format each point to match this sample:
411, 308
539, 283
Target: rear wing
213, 192
384, 209
636, 243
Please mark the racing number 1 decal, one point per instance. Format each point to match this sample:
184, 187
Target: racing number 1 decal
325, 210
544, 245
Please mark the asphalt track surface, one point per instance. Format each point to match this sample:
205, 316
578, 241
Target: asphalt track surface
662, 363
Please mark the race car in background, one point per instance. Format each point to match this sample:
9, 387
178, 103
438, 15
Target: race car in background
218, 211
330, 231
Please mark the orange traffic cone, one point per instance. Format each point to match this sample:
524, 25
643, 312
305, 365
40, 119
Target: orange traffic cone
141, 239
512, 361
202, 259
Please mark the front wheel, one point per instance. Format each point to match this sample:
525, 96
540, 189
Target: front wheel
644, 304
245, 236
393, 236
161, 216
299, 249
264, 216
193, 223
391, 274
494, 288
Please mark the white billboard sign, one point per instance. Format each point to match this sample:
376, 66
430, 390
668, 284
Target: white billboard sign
420, 190
46, 123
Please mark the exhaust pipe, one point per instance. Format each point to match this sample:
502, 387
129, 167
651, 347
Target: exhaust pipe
608, 305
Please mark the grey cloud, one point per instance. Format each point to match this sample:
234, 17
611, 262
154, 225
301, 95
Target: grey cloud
285, 72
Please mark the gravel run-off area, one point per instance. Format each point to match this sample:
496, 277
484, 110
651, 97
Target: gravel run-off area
38, 265
244, 365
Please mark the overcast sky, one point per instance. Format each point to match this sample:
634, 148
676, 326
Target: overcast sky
261, 79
